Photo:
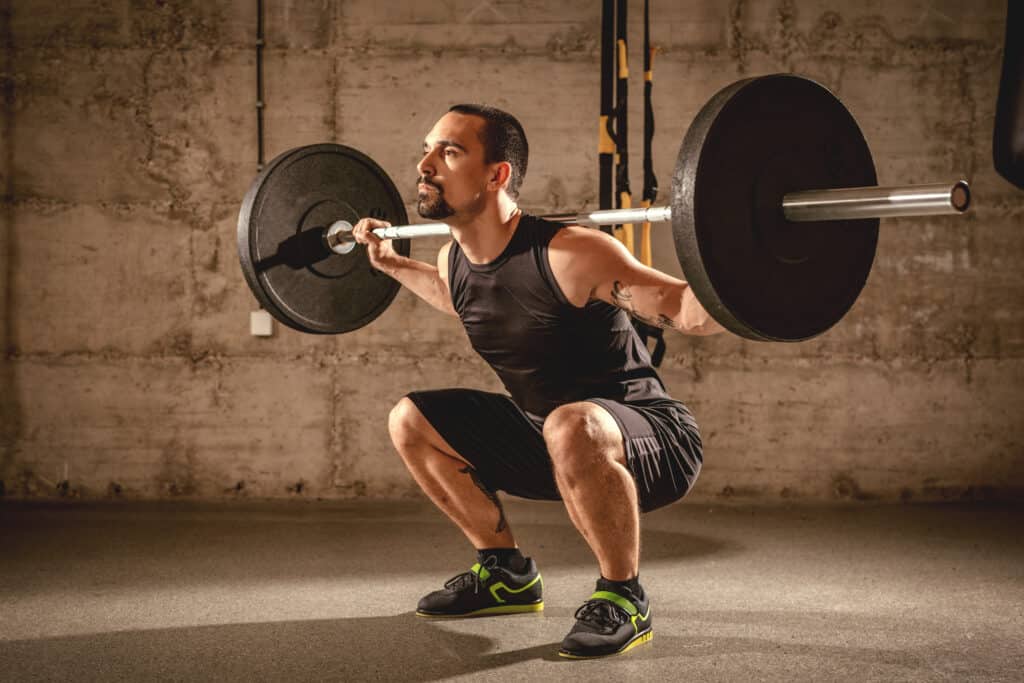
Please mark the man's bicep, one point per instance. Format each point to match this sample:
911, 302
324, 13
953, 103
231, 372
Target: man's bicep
650, 299
659, 300
643, 292
589, 264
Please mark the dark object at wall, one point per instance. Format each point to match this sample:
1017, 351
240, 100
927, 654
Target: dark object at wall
1008, 139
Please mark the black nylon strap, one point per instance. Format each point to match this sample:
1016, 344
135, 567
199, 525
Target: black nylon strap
651, 332
621, 108
650, 192
605, 157
614, 121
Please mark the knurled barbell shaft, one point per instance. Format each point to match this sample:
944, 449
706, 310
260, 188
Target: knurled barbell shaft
339, 235
651, 214
852, 203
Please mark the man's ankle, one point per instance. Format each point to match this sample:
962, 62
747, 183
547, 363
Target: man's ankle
632, 585
507, 558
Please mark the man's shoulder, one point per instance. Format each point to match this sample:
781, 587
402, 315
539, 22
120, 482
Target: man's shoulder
577, 254
573, 242
580, 239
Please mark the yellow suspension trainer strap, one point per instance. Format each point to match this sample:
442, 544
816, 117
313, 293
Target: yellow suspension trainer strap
650, 192
605, 134
623, 195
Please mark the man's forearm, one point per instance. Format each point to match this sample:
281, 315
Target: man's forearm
423, 279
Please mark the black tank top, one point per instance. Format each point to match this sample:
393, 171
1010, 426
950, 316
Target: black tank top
546, 351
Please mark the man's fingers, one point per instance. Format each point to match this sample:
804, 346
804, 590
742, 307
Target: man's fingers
363, 230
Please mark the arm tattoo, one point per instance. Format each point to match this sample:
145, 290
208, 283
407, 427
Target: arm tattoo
623, 298
491, 495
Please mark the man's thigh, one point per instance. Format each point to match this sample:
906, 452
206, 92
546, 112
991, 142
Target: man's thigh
664, 451
502, 443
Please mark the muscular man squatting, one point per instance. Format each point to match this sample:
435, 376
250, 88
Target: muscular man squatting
587, 420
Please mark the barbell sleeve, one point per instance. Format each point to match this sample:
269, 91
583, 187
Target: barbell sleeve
855, 203
851, 203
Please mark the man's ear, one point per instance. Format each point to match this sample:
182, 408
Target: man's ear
501, 173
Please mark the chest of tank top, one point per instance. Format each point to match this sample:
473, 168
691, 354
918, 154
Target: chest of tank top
512, 310
545, 350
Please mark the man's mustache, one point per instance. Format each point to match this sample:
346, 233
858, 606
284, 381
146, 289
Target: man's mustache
423, 181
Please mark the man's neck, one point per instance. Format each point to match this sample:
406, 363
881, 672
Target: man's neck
485, 236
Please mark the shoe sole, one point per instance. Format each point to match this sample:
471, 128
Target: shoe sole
638, 639
487, 611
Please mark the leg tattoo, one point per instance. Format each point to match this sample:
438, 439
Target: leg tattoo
491, 495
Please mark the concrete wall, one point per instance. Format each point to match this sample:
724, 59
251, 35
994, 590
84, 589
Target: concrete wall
129, 138
8, 406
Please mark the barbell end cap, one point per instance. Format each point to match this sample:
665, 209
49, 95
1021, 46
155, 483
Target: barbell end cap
960, 197
338, 237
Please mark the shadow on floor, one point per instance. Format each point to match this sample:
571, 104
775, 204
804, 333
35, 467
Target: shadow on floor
402, 647
145, 552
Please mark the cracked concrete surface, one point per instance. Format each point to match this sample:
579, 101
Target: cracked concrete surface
128, 139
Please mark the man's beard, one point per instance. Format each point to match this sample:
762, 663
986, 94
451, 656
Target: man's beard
432, 205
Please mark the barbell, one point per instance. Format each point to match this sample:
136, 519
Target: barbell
774, 209
799, 207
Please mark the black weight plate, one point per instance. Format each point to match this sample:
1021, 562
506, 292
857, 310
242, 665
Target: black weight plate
756, 273
284, 213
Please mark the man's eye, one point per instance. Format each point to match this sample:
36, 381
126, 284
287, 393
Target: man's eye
450, 152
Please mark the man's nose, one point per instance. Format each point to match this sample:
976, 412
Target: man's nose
426, 165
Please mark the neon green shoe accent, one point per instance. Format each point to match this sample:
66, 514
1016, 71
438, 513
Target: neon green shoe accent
636, 616
488, 611
617, 599
638, 640
501, 584
480, 571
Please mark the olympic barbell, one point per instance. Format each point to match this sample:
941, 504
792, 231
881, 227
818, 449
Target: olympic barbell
799, 207
775, 212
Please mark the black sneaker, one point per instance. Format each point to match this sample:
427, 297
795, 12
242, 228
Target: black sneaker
609, 623
485, 590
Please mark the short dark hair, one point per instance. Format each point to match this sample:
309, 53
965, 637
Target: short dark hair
504, 140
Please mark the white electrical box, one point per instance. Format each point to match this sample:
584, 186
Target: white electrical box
261, 324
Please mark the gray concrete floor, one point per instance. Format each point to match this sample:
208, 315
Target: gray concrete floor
161, 591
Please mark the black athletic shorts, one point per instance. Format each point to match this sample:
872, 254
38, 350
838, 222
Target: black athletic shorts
505, 445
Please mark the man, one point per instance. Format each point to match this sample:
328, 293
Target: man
588, 420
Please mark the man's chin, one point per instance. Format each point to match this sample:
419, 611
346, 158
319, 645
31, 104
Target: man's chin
433, 212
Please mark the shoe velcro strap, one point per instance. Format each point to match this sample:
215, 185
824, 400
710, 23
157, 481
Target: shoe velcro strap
617, 599
481, 571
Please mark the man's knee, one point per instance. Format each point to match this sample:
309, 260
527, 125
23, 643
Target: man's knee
582, 435
405, 423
